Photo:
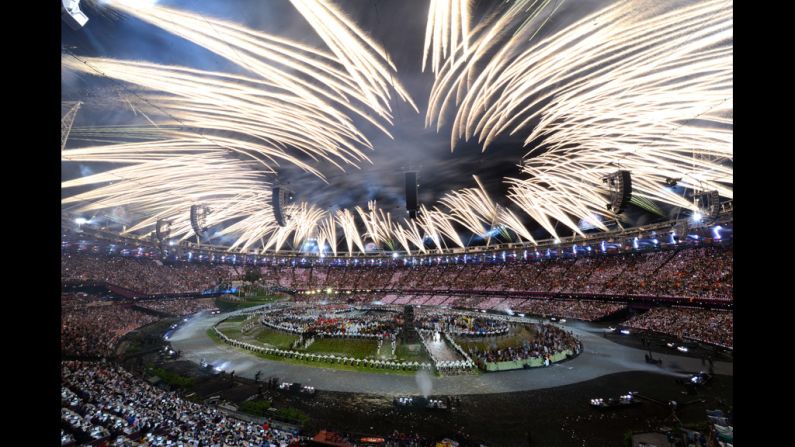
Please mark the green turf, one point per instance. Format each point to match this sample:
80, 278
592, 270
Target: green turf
215, 337
211, 333
255, 407
350, 347
227, 306
405, 353
277, 339
230, 331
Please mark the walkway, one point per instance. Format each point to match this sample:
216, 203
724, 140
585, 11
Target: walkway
600, 357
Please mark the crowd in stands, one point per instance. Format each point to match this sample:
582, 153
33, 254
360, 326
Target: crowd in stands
548, 341
180, 307
143, 275
692, 272
102, 401
93, 331
81, 299
580, 309
710, 326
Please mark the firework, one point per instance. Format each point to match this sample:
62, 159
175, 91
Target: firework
295, 102
649, 93
446, 32
641, 91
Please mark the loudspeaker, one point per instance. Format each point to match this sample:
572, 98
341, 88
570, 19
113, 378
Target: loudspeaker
411, 194
620, 185
276, 204
281, 197
198, 219
709, 203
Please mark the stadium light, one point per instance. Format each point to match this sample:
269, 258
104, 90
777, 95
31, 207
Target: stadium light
81, 220
697, 217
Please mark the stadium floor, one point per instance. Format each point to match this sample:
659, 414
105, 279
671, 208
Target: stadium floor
600, 357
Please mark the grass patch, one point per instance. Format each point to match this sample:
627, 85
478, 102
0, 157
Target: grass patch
311, 363
215, 337
292, 415
405, 353
349, 347
255, 407
236, 318
228, 306
276, 339
171, 378
231, 332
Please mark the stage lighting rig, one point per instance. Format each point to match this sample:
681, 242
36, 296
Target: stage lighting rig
72, 15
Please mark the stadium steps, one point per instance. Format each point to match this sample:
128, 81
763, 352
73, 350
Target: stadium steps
625, 266
563, 275
311, 273
455, 279
667, 260
577, 284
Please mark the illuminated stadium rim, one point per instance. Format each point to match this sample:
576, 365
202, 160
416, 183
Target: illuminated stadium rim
665, 228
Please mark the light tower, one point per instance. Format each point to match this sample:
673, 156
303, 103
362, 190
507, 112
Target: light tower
67, 121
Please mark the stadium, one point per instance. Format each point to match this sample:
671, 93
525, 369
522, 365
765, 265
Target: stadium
397, 223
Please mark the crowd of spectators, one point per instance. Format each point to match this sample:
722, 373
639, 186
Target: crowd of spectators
580, 309
80, 299
706, 325
548, 341
102, 401
93, 331
180, 307
148, 276
692, 272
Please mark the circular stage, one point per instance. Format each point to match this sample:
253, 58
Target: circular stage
599, 357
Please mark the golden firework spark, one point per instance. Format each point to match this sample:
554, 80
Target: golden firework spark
643, 91
649, 93
446, 32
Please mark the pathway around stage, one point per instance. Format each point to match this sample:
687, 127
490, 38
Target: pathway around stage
600, 356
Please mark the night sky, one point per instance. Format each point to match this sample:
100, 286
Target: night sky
399, 25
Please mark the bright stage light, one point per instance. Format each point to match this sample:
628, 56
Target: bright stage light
697, 217
81, 220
